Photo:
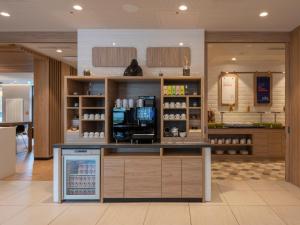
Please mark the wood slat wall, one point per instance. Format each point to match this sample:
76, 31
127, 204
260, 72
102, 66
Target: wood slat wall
113, 56
293, 153
168, 56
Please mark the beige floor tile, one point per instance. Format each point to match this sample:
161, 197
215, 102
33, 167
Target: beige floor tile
233, 185
265, 185
293, 189
243, 198
289, 214
7, 212
124, 214
168, 214
212, 215
81, 215
256, 215
279, 197
36, 215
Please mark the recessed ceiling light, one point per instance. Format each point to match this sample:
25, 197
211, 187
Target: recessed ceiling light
77, 7
59, 51
181, 43
5, 14
182, 7
263, 14
114, 43
233, 59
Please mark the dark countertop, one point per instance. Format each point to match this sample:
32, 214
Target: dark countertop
199, 144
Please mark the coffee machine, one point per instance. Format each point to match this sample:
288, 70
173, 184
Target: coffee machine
137, 124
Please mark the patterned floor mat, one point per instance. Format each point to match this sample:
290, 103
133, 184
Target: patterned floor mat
247, 170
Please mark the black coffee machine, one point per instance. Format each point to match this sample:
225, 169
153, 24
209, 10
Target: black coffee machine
137, 124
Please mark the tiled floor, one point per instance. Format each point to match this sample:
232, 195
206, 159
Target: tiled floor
234, 203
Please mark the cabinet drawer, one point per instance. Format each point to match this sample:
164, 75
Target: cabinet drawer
171, 178
113, 178
143, 178
192, 184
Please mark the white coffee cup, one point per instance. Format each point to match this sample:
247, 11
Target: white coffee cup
167, 105
91, 116
91, 134
178, 105
97, 116
86, 116
86, 134
131, 103
101, 134
166, 116
177, 116
172, 105
102, 116
171, 116
183, 105
97, 134
183, 116
125, 103
249, 141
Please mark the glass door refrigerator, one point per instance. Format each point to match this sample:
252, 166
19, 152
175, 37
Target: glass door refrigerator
81, 174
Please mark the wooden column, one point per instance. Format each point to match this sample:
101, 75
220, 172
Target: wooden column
48, 105
293, 153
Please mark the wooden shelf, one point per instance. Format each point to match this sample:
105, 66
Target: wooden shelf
175, 120
194, 96
92, 96
92, 120
72, 96
72, 107
92, 107
233, 145
175, 96
175, 108
195, 107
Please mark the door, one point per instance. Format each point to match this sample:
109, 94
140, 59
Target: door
81, 177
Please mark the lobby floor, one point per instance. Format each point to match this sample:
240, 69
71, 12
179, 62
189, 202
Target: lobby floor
234, 203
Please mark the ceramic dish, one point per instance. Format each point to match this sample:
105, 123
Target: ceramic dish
219, 152
231, 152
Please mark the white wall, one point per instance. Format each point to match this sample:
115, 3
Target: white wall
141, 39
245, 87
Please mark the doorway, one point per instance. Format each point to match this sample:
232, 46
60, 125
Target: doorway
246, 84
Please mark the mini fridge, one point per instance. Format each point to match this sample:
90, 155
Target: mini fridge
81, 174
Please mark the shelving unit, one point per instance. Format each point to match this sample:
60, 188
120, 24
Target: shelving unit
193, 100
89, 96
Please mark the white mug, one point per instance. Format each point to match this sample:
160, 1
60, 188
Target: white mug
183, 105
167, 105
86, 116
102, 116
97, 116
97, 134
183, 116
177, 116
118, 103
92, 116
131, 103
86, 134
178, 105
125, 103
101, 134
171, 116
166, 116
249, 141
172, 105
91, 134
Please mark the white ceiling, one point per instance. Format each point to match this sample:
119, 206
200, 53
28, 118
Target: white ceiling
221, 15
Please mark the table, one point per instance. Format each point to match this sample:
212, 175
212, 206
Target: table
29, 132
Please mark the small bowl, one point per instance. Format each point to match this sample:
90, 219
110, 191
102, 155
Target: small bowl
219, 152
182, 134
232, 152
244, 152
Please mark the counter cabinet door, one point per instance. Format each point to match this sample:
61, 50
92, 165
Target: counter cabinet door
192, 178
143, 178
260, 144
113, 178
171, 178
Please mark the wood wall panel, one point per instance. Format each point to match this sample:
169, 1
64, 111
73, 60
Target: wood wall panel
41, 108
168, 56
293, 153
113, 56
247, 37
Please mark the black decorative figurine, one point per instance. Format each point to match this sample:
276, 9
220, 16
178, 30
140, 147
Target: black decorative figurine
133, 69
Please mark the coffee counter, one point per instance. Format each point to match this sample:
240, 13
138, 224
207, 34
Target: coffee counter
178, 171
